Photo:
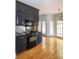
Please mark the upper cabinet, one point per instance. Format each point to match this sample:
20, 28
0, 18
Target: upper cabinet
36, 15
20, 14
26, 12
20, 19
29, 13
19, 7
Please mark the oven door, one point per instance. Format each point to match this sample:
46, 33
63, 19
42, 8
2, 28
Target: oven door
31, 41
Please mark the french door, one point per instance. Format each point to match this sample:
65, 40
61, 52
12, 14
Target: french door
60, 28
51, 28
42, 27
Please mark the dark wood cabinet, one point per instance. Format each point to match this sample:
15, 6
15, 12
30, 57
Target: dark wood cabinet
27, 12
36, 15
27, 16
20, 43
39, 37
20, 14
19, 7
20, 19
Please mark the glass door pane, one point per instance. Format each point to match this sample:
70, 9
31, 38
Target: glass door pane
43, 27
60, 28
39, 27
51, 28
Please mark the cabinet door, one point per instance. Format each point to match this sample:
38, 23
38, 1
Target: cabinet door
39, 38
20, 14
19, 7
29, 13
20, 43
36, 15
17, 44
26, 13
20, 19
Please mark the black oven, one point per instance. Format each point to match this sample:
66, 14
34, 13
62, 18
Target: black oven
31, 40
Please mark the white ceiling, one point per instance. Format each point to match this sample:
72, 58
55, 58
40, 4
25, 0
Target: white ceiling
46, 6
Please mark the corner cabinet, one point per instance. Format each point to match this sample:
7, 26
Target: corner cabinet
26, 12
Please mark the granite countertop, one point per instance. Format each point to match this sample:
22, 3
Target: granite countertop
23, 33
19, 34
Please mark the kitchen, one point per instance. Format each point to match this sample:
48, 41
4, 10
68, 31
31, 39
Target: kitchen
53, 36
34, 28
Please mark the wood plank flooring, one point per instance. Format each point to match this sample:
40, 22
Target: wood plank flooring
49, 48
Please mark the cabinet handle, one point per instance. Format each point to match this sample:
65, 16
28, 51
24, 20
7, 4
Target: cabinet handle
17, 20
25, 41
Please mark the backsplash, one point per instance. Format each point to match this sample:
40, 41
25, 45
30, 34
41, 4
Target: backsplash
20, 29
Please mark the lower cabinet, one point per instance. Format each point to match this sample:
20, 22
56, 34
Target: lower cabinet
39, 37
27, 42
20, 43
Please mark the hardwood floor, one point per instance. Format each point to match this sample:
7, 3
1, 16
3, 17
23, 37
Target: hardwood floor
50, 48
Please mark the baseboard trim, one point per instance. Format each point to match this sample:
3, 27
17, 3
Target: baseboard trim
52, 36
58, 37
